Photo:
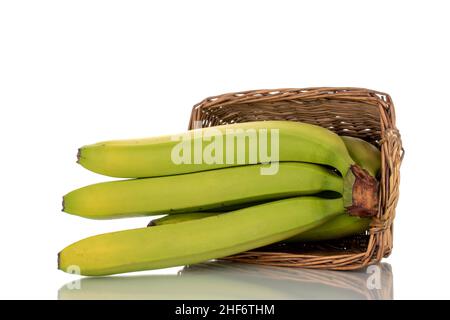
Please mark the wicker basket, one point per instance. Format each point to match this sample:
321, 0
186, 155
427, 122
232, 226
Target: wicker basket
361, 113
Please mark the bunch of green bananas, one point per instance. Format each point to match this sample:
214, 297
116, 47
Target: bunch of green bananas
222, 208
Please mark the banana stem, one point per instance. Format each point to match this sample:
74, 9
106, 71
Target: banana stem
360, 193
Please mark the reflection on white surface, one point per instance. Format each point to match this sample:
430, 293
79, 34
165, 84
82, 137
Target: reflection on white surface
228, 280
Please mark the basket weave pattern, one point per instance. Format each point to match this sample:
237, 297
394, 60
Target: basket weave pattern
356, 112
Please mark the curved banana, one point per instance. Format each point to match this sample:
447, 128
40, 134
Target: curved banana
341, 226
365, 154
199, 191
217, 147
177, 218
197, 240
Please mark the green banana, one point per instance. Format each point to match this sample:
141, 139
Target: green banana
341, 226
197, 240
199, 191
365, 154
217, 147
177, 218
338, 227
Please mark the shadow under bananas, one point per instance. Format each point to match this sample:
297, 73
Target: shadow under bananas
222, 280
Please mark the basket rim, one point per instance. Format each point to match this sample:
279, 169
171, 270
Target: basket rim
279, 94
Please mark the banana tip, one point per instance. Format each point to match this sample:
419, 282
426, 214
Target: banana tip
59, 260
63, 205
78, 155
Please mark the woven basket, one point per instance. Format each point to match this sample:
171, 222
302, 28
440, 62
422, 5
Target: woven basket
356, 112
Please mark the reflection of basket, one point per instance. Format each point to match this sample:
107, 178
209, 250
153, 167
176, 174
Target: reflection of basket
355, 281
362, 113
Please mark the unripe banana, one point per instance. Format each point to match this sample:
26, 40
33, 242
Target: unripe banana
177, 218
365, 154
341, 226
197, 240
199, 191
229, 145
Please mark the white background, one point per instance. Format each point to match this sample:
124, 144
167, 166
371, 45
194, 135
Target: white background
77, 72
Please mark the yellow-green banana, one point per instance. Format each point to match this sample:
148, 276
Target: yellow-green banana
177, 218
365, 154
199, 191
217, 147
197, 240
339, 227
